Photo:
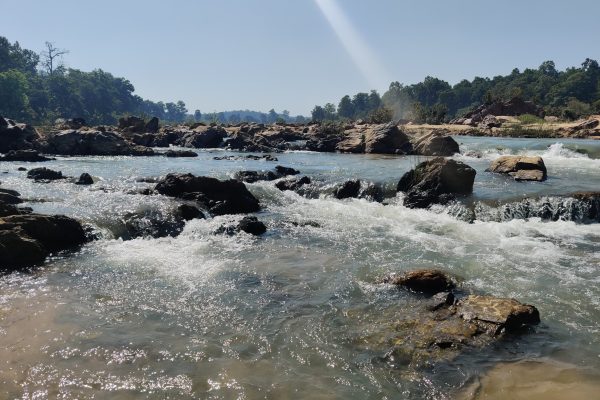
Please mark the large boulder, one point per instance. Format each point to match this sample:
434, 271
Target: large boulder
219, 197
15, 136
522, 168
180, 153
347, 189
353, 141
204, 137
386, 139
436, 181
26, 240
93, 142
435, 143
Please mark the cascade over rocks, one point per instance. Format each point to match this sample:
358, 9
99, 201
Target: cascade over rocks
219, 197
248, 224
347, 189
26, 240
522, 168
436, 181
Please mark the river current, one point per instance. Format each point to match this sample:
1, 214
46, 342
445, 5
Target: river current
282, 316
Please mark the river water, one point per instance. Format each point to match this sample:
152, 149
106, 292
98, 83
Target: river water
283, 316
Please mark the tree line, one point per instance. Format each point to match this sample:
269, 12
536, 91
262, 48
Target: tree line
38, 88
569, 94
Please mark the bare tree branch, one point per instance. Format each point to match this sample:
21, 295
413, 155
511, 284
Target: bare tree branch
50, 57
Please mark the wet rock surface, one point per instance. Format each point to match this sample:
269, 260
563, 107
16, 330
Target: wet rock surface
292, 184
429, 281
522, 168
85, 179
436, 181
219, 197
249, 224
44, 174
24, 155
180, 153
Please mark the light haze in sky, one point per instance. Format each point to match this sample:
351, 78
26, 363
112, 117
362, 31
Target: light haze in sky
293, 54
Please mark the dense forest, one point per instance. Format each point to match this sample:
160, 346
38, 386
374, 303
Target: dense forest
568, 94
37, 88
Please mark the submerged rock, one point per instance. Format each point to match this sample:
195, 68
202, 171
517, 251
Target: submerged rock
219, 197
249, 224
255, 176
24, 155
436, 181
180, 153
430, 281
347, 189
188, 212
292, 184
44, 174
522, 168
85, 179
26, 240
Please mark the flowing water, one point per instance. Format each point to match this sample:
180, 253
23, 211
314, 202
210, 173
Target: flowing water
282, 316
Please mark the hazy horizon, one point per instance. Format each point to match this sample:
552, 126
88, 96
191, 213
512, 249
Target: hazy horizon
268, 54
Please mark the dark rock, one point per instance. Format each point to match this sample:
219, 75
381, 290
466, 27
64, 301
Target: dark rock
24, 155
21, 169
26, 240
285, 171
219, 197
522, 168
436, 181
255, 176
372, 192
152, 126
348, 189
204, 137
489, 122
252, 226
15, 136
93, 142
266, 157
44, 174
292, 184
9, 198
440, 300
11, 192
180, 153
149, 223
132, 124
188, 212
430, 281
85, 179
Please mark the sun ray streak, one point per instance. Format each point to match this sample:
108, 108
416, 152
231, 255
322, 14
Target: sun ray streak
363, 57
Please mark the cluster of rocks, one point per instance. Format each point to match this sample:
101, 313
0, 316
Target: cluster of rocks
515, 106
136, 136
587, 128
45, 175
449, 320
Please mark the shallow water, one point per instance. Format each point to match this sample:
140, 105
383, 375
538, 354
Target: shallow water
283, 316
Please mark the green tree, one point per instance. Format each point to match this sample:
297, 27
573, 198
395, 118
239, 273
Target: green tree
346, 108
13, 94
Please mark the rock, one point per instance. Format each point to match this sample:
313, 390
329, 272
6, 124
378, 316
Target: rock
180, 153
348, 189
353, 141
219, 197
9, 198
371, 192
85, 179
435, 143
204, 137
489, 122
522, 168
387, 139
515, 106
252, 226
24, 155
188, 212
21, 169
286, 171
132, 124
11, 192
255, 176
44, 174
292, 184
152, 126
26, 240
15, 136
430, 281
587, 124
436, 181
10, 209
93, 142
497, 315
70, 123
266, 157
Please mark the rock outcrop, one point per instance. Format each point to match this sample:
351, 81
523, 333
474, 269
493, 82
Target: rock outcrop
436, 181
26, 240
25, 156
44, 174
93, 142
16, 136
522, 168
219, 197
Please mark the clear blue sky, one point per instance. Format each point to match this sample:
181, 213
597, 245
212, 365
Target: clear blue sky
258, 54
